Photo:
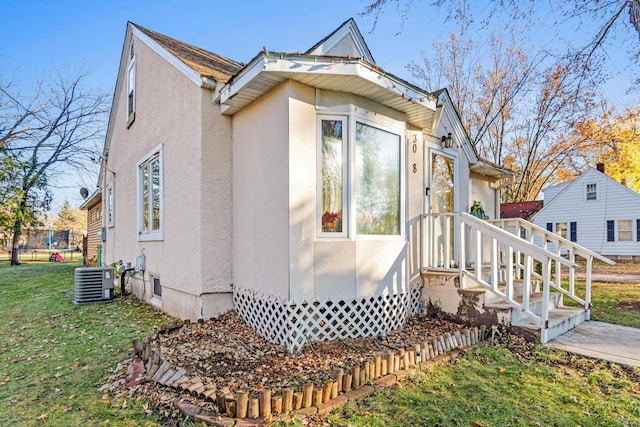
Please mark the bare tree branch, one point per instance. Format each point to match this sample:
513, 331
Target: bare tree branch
55, 130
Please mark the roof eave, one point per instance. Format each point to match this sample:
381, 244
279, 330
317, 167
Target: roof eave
269, 69
490, 169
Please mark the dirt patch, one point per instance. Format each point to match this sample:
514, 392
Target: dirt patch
629, 305
621, 272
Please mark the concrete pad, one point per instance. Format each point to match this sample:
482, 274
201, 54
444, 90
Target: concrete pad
599, 340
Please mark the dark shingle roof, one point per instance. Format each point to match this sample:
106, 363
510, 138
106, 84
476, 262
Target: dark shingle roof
206, 63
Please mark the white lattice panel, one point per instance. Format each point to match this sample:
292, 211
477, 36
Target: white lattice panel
292, 323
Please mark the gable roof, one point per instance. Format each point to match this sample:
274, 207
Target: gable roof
344, 40
585, 176
446, 107
207, 64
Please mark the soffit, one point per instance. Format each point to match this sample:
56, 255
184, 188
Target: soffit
337, 74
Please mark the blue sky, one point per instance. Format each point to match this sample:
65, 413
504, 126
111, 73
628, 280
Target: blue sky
37, 37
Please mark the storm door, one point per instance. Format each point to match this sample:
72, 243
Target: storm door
441, 200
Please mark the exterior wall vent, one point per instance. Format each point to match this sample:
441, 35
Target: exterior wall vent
93, 285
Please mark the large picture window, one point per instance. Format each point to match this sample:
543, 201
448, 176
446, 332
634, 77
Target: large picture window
360, 168
377, 176
150, 196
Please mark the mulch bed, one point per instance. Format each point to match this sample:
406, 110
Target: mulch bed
230, 353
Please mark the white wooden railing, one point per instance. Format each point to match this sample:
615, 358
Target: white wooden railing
494, 255
560, 246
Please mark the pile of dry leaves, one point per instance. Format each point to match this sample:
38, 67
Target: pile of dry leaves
230, 353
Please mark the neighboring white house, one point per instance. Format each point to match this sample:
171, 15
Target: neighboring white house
292, 188
594, 211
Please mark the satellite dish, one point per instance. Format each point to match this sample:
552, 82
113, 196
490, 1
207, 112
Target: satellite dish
84, 192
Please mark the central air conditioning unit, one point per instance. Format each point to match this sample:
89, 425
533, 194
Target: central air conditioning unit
93, 285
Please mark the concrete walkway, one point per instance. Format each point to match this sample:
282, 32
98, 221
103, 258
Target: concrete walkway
599, 340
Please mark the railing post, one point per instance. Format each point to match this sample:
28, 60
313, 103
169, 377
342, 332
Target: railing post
509, 273
558, 267
462, 249
546, 282
526, 293
434, 241
478, 251
494, 263
587, 297
572, 272
446, 256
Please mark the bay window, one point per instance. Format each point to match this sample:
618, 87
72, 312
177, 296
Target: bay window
360, 179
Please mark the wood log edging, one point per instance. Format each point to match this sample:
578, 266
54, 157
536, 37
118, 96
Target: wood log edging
346, 384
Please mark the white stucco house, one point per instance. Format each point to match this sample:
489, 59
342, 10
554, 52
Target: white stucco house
596, 212
317, 194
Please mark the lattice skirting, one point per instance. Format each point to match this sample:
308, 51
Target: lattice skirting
292, 323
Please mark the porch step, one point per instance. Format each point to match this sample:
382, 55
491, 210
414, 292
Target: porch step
561, 320
535, 304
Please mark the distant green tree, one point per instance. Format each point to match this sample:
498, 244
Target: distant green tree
66, 218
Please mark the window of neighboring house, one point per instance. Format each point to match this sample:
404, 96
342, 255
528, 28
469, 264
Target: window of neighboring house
150, 181
360, 168
110, 205
131, 92
573, 231
561, 229
625, 230
591, 192
611, 231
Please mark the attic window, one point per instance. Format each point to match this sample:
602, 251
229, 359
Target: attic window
131, 51
131, 92
592, 192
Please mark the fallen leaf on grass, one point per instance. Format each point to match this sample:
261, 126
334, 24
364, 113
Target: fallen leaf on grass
478, 423
502, 369
67, 409
452, 385
43, 417
124, 404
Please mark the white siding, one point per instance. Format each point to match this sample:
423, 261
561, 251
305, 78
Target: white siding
615, 202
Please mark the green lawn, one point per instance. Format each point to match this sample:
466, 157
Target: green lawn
496, 387
54, 354
613, 303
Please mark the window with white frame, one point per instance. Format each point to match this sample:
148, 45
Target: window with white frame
110, 205
150, 196
591, 191
131, 91
361, 168
625, 230
561, 229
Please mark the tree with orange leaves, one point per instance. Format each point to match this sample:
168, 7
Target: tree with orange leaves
616, 142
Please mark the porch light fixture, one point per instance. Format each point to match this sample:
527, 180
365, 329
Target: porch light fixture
447, 141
